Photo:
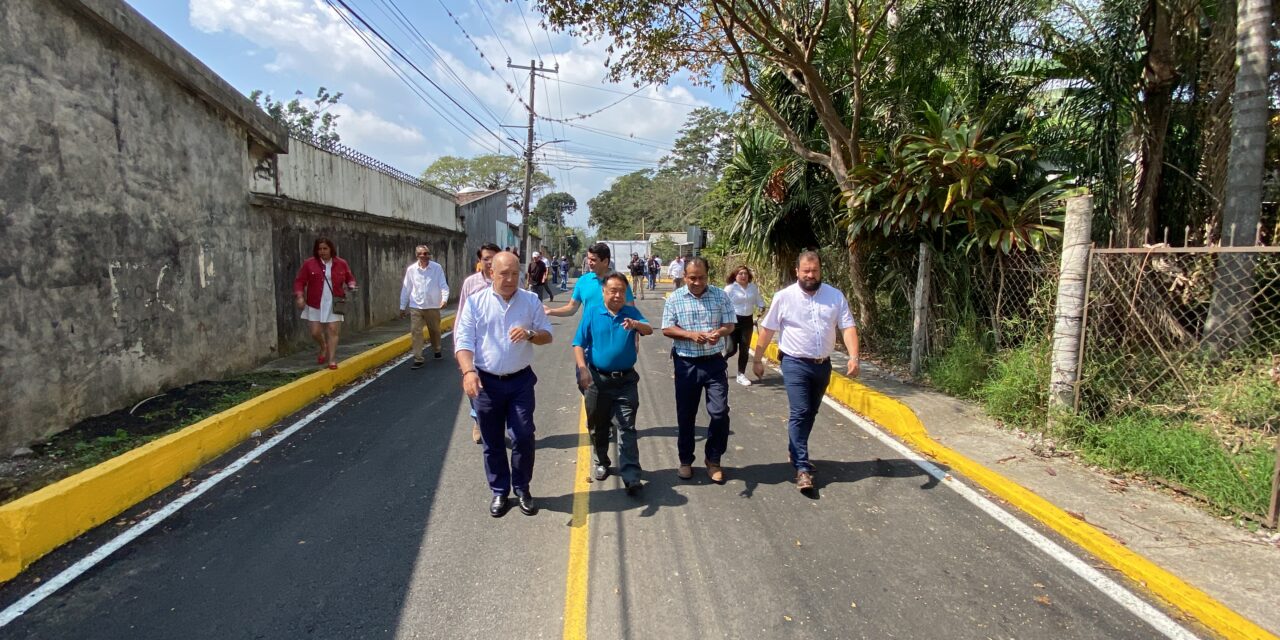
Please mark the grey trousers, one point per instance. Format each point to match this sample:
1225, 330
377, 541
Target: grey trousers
613, 402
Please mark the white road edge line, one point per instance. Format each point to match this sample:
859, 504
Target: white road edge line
1125, 598
15, 610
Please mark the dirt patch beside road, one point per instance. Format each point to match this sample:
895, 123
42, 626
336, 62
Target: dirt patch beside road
99, 438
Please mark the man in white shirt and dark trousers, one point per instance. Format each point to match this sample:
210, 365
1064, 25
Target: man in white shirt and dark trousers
422, 295
806, 316
493, 341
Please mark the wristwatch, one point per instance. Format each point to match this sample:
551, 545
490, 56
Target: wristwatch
529, 333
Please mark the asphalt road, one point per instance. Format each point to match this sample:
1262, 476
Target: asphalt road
372, 522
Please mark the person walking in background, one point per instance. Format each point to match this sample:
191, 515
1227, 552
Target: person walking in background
493, 343
423, 293
564, 272
696, 317
653, 268
806, 315
746, 299
677, 272
605, 350
637, 267
538, 277
319, 289
475, 283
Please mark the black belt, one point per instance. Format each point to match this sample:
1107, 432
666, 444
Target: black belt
808, 360
503, 376
611, 374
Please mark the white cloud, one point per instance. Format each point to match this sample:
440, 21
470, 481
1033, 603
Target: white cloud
361, 129
304, 34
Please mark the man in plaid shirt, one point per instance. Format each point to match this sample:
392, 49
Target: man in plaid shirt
697, 317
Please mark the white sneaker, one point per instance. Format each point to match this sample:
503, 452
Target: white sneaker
742, 380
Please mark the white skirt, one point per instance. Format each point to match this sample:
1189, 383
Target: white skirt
325, 312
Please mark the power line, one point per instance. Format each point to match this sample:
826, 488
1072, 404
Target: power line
413, 86
624, 93
415, 67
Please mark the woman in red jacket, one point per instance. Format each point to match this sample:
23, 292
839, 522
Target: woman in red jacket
323, 278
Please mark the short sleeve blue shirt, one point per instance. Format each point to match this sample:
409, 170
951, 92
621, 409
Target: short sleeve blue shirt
609, 347
589, 291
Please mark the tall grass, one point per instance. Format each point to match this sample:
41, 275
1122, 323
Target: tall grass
1017, 389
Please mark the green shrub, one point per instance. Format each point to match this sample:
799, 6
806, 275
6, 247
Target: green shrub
1017, 390
1175, 449
962, 367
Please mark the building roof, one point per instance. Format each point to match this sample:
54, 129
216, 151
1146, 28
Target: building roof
468, 197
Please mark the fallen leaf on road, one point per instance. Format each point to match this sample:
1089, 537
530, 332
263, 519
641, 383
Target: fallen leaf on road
1004, 460
853, 604
1077, 515
787, 618
1044, 600
1038, 585
1050, 471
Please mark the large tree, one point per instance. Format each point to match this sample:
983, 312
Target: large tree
489, 171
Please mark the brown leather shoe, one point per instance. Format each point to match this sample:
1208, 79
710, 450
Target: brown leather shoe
715, 472
475, 432
685, 472
804, 481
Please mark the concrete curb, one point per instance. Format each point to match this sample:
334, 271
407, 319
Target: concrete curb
40, 522
901, 421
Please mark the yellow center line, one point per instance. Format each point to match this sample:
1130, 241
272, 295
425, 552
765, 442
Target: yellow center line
575, 585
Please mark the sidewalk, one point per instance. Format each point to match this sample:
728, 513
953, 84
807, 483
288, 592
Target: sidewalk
1233, 565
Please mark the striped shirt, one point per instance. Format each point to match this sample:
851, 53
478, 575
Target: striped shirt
698, 314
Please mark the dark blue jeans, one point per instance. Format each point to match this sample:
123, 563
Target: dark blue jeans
505, 406
693, 377
806, 383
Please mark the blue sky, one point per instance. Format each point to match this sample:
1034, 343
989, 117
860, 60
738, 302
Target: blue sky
281, 46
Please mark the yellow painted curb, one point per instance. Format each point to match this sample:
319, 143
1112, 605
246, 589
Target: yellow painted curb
42, 521
900, 420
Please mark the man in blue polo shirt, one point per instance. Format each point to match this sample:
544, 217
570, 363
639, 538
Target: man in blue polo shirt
605, 351
588, 291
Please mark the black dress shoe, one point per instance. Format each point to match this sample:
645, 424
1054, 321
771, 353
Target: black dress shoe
601, 472
632, 488
525, 501
498, 507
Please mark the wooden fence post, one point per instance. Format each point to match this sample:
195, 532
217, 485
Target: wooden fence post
920, 310
1069, 310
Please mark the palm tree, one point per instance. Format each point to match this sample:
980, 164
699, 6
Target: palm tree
1229, 315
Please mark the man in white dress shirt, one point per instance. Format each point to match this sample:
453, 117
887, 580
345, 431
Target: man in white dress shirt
493, 341
422, 295
806, 316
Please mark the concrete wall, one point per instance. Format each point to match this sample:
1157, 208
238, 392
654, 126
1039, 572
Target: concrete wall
378, 251
131, 259
310, 174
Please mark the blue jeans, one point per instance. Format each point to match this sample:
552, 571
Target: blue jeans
505, 405
653, 279
806, 383
693, 376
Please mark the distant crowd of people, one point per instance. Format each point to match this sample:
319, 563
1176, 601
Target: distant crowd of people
499, 322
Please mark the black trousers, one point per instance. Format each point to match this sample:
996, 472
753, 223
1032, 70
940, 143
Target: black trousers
740, 342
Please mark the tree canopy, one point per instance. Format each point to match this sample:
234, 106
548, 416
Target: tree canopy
488, 171
311, 121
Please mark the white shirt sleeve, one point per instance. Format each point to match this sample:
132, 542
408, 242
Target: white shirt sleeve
846, 316
444, 285
464, 329
405, 288
759, 298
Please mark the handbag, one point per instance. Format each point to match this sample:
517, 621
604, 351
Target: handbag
339, 306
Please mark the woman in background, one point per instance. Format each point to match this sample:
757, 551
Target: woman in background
323, 278
746, 299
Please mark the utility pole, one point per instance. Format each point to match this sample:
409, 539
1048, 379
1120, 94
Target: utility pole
528, 154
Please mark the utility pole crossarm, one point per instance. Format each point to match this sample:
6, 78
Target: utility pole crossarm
528, 153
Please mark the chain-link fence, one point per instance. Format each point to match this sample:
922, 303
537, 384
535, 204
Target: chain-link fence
1193, 330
